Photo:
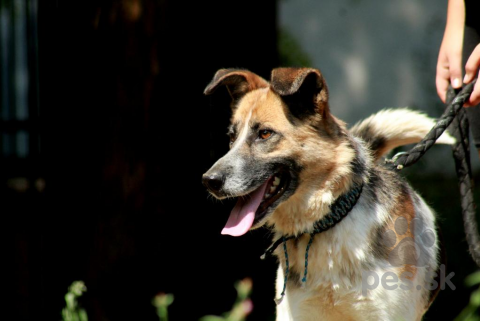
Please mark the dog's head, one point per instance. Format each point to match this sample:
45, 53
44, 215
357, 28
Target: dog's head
280, 133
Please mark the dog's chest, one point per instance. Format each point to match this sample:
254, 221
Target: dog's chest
324, 284
332, 259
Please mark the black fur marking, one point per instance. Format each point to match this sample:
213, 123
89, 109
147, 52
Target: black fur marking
377, 144
374, 141
302, 103
358, 165
379, 248
384, 187
374, 185
294, 279
299, 106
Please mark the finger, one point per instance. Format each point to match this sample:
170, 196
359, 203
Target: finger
442, 86
472, 65
475, 96
442, 81
455, 69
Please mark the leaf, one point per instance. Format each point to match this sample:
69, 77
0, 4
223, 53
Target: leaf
473, 279
475, 298
211, 318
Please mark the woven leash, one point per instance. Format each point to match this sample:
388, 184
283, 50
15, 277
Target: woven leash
454, 115
461, 153
406, 159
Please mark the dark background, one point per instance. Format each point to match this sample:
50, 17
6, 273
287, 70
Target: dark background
125, 134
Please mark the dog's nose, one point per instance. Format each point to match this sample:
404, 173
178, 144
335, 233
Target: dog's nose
213, 181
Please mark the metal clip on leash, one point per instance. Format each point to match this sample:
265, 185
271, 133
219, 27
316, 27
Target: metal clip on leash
454, 115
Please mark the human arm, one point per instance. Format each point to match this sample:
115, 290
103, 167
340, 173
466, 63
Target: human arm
449, 63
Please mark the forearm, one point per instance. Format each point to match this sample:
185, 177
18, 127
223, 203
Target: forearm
449, 64
455, 17
454, 28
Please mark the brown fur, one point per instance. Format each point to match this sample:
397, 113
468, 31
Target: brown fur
406, 212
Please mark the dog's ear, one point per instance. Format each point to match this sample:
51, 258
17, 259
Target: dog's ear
238, 82
303, 89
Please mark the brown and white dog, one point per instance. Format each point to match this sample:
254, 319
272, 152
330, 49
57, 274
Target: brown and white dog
290, 159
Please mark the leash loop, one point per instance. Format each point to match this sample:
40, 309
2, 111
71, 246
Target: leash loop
287, 271
453, 108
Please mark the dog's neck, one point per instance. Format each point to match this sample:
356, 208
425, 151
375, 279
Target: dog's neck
304, 209
352, 174
339, 210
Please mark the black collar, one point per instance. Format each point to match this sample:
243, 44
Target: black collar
338, 211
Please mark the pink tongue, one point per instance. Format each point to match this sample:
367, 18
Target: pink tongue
242, 216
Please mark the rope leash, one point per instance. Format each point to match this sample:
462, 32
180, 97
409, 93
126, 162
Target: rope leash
454, 115
461, 154
406, 159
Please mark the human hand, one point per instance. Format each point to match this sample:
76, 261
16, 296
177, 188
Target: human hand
449, 64
472, 68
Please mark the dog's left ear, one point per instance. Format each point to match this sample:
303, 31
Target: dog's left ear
237, 81
304, 89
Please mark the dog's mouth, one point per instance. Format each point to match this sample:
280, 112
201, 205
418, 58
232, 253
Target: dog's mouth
252, 208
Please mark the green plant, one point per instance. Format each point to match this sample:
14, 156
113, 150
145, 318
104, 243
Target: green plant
240, 310
161, 301
470, 312
72, 311
242, 306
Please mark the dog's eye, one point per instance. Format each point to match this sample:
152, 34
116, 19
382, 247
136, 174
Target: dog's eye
265, 133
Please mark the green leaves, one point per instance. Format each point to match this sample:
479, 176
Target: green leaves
72, 310
240, 310
470, 312
161, 301
242, 306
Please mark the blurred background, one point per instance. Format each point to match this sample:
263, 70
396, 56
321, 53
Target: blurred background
105, 133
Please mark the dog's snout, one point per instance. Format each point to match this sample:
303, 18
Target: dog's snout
213, 181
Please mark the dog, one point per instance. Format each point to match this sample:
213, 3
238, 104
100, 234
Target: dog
354, 240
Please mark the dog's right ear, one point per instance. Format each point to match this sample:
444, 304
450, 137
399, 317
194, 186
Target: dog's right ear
304, 89
238, 82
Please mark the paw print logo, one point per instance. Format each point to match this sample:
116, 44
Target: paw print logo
409, 243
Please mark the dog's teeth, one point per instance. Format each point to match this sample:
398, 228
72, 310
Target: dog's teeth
276, 181
272, 189
266, 196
